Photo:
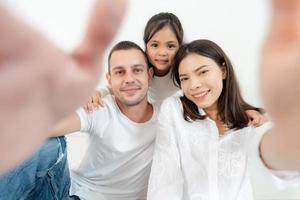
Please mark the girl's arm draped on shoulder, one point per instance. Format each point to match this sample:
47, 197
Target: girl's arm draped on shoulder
36, 78
280, 70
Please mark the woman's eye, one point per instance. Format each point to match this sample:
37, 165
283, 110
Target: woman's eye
203, 72
183, 79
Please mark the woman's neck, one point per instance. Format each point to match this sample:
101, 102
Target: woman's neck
213, 114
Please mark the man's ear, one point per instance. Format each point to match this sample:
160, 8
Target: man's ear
150, 73
108, 78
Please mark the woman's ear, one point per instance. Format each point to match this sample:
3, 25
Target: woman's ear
224, 71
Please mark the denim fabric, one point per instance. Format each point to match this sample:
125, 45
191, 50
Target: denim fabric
74, 197
45, 175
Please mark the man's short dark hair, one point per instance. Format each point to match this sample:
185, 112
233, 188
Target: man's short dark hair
125, 45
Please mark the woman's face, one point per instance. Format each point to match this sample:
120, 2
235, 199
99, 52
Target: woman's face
161, 49
201, 80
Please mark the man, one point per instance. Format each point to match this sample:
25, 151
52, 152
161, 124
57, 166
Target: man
36, 77
118, 160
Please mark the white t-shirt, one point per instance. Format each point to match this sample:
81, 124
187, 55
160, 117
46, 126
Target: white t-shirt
191, 161
161, 88
117, 162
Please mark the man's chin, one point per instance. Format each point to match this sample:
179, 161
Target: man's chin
132, 102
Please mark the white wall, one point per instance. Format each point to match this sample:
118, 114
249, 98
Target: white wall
238, 26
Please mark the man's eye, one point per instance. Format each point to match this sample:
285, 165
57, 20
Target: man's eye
119, 72
138, 70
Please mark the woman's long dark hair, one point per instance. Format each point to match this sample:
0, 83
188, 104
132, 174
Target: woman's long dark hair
231, 105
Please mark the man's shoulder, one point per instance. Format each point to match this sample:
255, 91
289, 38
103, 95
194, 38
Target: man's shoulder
110, 104
109, 99
105, 111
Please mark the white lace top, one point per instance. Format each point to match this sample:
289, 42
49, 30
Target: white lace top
191, 161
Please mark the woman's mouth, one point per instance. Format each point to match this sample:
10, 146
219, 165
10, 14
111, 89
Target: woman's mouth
200, 95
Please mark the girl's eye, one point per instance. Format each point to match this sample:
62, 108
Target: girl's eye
154, 45
171, 46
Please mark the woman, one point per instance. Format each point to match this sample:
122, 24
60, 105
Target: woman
204, 142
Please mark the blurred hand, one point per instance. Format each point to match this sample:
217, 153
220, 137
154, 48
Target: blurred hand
40, 84
280, 70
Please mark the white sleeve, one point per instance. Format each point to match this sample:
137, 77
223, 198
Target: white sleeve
282, 179
166, 181
85, 120
286, 179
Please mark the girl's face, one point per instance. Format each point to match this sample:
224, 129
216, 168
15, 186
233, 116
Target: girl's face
161, 49
201, 80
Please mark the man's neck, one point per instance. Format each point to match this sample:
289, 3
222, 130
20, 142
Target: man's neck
139, 113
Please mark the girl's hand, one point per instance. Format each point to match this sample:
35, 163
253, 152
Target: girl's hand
256, 119
94, 102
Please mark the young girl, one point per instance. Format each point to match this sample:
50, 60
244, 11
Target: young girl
204, 143
163, 35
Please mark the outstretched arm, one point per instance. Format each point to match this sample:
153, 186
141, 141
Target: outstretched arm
280, 72
36, 77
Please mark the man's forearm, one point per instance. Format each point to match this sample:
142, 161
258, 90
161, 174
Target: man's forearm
67, 125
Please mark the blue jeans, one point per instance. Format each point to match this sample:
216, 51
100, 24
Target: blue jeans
45, 175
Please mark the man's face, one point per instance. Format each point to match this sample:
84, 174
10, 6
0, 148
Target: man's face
129, 76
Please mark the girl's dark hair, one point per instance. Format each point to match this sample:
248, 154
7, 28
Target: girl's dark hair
231, 105
159, 21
